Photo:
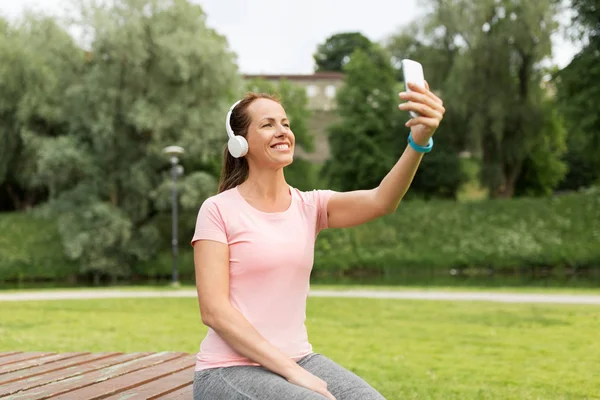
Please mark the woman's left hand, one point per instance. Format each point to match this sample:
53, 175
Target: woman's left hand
429, 107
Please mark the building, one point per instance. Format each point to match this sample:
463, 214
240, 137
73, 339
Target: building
321, 88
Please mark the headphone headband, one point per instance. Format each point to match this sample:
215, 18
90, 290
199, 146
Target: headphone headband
228, 119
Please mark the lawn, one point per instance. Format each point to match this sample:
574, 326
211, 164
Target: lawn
406, 349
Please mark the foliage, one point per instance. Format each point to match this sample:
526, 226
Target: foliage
434, 237
543, 168
587, 18
30, 248
336, 51
366, 143
40, 60
89, 126
484, 57
556, 232
578, 89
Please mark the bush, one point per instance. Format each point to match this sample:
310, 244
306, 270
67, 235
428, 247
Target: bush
30, 248
423, 237
493, 234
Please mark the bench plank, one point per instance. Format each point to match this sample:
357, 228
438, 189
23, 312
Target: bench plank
93, 376
121, 383
62, 381
185, 393
159, 387
9, 353
22, 375
13, 358
35, 362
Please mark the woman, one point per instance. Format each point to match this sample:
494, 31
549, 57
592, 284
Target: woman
253, 253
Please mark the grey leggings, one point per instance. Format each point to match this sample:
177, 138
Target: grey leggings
258, 383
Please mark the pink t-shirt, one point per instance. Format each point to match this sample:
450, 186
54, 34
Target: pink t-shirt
270, 261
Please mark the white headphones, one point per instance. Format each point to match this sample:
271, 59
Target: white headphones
237, 145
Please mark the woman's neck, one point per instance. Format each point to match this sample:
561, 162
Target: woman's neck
269, 185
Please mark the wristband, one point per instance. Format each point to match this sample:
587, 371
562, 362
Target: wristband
420, 149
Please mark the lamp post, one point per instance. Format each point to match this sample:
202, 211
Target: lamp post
176, 171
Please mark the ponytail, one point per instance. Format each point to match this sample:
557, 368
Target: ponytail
234, 171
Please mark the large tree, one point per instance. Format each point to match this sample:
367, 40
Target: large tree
367, 141
496, 82
578, 91
335, 52
441, 173
39, 60
155, 75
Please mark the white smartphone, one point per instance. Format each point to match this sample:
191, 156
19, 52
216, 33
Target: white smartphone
412, 71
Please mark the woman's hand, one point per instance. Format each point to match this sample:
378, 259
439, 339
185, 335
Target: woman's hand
302, 377
430, 109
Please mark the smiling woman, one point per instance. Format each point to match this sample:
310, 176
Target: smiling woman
254, 250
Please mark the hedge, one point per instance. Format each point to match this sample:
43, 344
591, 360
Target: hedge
559, 233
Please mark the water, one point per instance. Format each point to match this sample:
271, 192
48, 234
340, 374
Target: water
421, 277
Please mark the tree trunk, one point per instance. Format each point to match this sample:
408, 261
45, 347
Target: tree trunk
510, 175
14, 197
29, 201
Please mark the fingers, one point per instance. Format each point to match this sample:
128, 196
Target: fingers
425, 91
433, 123
326, 392
422, 99
328, 395
422, 109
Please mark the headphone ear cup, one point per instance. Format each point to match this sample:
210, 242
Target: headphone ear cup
238, 146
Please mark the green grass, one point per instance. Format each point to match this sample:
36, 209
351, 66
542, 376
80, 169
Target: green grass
406, 349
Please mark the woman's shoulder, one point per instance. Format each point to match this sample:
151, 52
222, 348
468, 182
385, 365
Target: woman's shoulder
226, 198
314, 197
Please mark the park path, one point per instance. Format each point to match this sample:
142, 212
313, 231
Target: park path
372, 294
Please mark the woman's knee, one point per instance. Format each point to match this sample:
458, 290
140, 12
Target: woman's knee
342, 383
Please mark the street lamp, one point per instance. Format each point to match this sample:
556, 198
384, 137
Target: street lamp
176, 171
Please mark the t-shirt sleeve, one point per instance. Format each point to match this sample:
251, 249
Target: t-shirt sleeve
321, 200
210, 224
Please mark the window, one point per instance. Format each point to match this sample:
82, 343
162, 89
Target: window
312, 90
330, 91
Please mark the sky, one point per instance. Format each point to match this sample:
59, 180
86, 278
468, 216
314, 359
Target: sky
280, 36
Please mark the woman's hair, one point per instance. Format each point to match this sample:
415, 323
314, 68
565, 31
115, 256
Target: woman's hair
235, 170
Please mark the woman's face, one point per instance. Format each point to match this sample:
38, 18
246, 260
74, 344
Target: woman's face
270, 139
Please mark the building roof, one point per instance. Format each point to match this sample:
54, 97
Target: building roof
299, 77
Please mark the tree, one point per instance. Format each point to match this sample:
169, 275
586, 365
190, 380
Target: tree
497, 78
441, 173
367, 142
578, 90
335, 52
155, 75
543, 168
587, 18
40, 59
433, 50
301, 173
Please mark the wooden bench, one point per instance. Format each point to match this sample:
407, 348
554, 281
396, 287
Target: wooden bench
74, 376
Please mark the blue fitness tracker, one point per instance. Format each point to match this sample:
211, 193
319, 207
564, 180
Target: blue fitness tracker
420, 149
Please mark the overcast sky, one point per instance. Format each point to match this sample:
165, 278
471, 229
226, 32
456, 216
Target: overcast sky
280, 36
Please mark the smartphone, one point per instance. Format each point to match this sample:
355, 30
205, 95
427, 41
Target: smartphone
412, 71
